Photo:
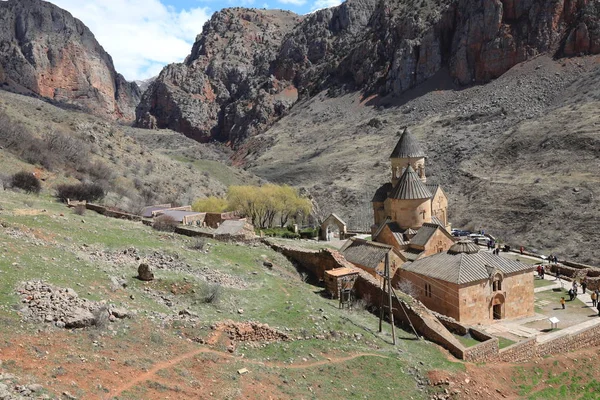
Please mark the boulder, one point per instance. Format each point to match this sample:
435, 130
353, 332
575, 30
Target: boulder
145, 273
79, 318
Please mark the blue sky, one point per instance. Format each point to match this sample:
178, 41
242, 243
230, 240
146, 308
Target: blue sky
143, 36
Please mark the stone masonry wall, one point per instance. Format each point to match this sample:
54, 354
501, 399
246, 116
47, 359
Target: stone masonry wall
518, 352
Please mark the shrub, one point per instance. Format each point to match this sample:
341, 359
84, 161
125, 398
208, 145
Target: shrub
101, 317
26, 181
290, 235
165, 223
198, 244
81, 191
208, 293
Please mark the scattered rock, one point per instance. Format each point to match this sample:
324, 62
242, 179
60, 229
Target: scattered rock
145, 273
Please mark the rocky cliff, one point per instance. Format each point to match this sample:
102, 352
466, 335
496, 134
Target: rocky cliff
224, 89
248, 67
44, 50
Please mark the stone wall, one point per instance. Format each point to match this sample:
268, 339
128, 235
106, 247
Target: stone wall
112, 213
519, 352
584, 339
487, 350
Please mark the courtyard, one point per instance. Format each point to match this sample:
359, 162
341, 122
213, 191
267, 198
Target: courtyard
578, 313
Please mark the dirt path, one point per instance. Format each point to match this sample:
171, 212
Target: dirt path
174, 361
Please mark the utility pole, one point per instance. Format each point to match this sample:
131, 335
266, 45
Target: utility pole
387, 285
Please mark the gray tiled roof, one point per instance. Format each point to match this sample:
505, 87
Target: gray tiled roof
464, 246
407, 147
424, 234
364, 252
437, 221
410, 187
231, 227
382, 193
463, 267
179, 214
411, 254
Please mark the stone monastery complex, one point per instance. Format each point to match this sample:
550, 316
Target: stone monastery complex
411, 226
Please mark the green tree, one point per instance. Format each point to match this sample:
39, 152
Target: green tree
211, 204
263, 204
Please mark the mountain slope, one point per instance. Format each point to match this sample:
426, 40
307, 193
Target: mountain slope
518, 156
47, 52
248, 67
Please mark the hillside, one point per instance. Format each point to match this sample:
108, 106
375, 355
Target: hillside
478, 82
46, 52
517, 157
137, 167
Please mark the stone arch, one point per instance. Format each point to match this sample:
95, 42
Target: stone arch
333, 220
497, 306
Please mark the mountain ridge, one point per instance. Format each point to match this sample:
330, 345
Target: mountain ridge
47, 52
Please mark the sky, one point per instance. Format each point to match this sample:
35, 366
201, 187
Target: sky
143, 36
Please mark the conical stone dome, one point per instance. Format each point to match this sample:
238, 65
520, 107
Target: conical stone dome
407, 147
464, 246
410, 187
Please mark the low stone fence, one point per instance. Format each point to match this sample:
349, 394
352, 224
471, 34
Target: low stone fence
191, 232
112, 213
586, 338
519, 352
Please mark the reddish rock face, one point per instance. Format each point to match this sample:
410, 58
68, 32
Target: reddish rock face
228, 88
46, 51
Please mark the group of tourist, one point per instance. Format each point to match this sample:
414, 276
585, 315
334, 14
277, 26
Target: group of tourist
594, 295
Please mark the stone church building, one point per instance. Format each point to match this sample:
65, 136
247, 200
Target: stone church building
470, 285
410, 214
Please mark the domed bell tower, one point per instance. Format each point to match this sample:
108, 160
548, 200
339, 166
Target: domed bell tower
407, 152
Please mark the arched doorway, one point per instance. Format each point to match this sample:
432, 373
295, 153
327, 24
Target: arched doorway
497, 307
333, 228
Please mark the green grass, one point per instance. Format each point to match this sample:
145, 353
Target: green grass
57, 249
542, 282
504, 342
466, 341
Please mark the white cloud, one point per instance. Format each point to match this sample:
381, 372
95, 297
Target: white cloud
140, 35
294, 2
320, 4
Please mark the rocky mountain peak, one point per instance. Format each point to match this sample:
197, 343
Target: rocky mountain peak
44, 50
248, 67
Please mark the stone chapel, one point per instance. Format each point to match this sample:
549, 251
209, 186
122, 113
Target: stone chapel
411, 214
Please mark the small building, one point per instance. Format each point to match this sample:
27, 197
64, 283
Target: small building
213, 220
239, 228
148, 212
183, 217
332, 224
370, 256
470, 286
339, 279
414, 244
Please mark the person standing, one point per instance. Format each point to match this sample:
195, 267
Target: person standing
583, 286
594, 297
570, 294
521, 249
562, 303
598, 308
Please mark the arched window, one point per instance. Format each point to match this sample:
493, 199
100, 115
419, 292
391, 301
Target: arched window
497, 283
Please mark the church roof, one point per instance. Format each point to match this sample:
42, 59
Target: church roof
464, 246
407, 147
424, 234
464, 268
382, 193
363, 252
410, 187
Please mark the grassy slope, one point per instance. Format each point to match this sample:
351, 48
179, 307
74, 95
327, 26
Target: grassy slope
163, 163
57, 249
